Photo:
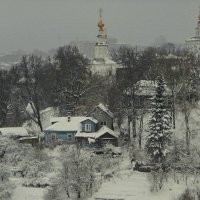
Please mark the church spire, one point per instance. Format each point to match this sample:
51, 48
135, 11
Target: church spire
198, 25
100, 23
100, 13
199, 14
101, 47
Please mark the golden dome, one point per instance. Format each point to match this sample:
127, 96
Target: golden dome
101, 25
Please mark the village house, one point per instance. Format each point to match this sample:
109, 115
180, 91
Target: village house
14, 132
95, 129
144, 93
104, 116
19, 134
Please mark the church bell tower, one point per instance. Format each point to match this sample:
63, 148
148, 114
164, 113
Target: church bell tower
101, 47
193, 43
198, 26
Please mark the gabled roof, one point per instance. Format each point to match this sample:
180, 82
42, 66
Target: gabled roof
62, 123
13, 131
57, 119
106, 61
147, 88
99, 133
80, 119
91, 119
104, 109
86, 135
105, 129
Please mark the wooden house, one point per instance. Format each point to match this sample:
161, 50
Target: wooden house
144, 92
103, 115
94, 129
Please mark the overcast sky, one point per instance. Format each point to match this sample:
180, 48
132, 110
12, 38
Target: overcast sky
46, 24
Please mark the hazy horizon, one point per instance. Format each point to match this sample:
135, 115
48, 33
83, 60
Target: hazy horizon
46, 24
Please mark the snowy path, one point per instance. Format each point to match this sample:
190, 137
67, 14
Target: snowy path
26, 193
134, 186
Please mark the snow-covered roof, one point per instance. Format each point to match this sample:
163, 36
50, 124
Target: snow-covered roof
193, 39
106, 61
86, 135
57, 119
49, 109
64, 119
13, 131
29, 108
99, 133
104, 130
109, 61
171, 56
105, 109
147, 88
28, 138
91, 119
63, 124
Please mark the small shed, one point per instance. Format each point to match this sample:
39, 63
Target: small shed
14, 132
103, 136
33, 140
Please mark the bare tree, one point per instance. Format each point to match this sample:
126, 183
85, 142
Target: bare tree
188, 95
28, 86
72, 77
78, 170
5, 90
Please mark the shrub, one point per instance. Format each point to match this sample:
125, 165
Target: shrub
157, 178
187, 195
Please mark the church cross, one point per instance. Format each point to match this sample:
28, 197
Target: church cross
100, 12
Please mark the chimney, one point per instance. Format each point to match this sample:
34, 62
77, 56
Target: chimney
68, 118
93, 114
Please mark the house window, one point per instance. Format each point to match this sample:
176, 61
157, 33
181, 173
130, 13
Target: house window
103, 123
69, 138
88, 127
53, 137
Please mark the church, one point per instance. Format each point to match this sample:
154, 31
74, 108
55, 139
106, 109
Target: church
102, 63
193, 43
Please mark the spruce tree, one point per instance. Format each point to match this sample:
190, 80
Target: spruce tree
159, 125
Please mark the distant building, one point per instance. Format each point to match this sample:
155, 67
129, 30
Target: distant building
193, 43
14, 132
144, 92
102, 63
85, 47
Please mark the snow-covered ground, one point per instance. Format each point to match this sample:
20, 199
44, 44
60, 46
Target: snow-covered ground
27, 193
127, 184
134, 186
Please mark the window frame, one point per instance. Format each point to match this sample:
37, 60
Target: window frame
69, 136
54, 137
88, 127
